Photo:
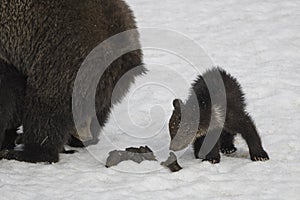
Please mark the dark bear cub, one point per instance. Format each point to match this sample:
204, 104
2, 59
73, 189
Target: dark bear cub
236, 119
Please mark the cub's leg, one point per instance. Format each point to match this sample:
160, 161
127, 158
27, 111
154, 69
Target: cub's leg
246, 127
197, 146
213, 156
226, 143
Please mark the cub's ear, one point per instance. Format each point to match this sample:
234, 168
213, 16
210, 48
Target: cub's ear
177, 103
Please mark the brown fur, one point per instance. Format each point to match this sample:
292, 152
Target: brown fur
46, 41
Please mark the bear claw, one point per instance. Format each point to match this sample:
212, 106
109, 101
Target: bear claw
212, 161
263, 156
257, 158
228, 151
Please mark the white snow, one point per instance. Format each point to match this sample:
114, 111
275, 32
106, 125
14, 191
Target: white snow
257, 42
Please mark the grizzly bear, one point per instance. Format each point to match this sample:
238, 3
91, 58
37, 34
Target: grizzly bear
237, 120
45, 43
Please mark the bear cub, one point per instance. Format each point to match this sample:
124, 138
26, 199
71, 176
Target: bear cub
236, 119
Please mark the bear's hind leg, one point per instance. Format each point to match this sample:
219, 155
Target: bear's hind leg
247, 129
226, 143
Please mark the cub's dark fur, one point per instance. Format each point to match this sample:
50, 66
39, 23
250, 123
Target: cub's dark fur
237, 120
45, 42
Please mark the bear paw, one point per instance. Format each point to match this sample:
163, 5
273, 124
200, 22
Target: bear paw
32, 153
212, 159
262, 156
228, 150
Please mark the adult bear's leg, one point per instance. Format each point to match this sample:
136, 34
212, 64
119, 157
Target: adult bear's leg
12, 91
46, 125
10, 138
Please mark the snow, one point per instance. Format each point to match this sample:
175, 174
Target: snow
257, 42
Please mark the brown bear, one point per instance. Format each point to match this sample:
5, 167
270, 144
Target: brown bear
237, 120
45, 43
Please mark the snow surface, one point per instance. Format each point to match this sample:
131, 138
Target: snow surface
256, 41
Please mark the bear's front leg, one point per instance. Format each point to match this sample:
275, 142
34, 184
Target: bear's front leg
44, 137
226, 143
46, 125
213, 156
12, 93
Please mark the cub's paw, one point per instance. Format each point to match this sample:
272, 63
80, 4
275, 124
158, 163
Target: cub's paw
261, 156
228, 150
212, 159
